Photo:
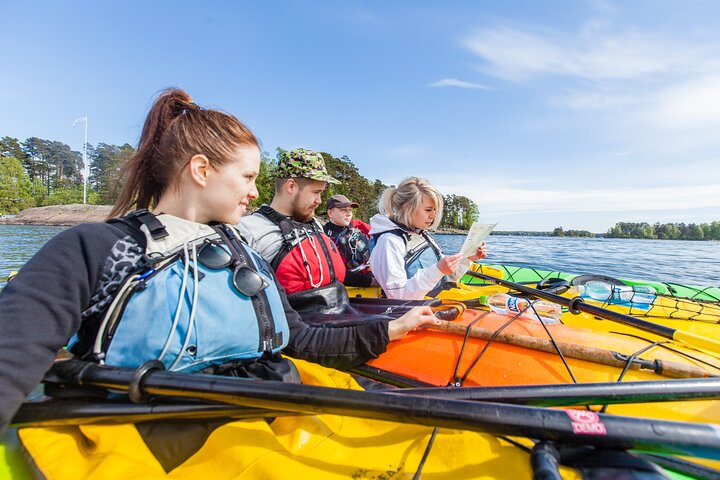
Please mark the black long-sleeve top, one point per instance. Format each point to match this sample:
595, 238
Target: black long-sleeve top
68, 283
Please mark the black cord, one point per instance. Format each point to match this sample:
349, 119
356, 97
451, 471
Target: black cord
425, 455
515, 443
459, 382
557, 347
629, 362
456, 379
663, 344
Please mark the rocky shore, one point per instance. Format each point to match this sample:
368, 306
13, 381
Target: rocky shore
59, 215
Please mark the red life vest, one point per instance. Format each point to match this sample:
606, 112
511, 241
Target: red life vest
308, 259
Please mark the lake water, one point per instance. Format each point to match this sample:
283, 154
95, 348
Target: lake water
686, 262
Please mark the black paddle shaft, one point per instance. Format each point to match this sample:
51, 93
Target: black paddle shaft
569, 426
61, 412
576, 394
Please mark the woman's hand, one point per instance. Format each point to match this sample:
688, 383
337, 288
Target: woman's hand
417, 318
449, 264
480, 253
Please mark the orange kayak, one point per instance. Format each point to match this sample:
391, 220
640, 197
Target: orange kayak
443, 357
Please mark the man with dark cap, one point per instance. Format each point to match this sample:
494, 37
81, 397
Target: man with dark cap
351, 236
286, 233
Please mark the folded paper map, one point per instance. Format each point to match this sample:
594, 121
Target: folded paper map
475, 237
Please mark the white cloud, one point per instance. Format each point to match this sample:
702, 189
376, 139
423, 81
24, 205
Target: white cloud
592, 54
593, 100
642, 81
453, 82
692, 104
502, 199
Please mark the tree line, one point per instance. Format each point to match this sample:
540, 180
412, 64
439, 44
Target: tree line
560, 232
666, 231
40, 172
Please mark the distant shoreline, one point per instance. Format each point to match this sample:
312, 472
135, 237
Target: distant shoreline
59, 215
74, 214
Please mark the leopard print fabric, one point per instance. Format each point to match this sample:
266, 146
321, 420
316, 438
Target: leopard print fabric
125, 255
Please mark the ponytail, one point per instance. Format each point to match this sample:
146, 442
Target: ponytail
175, 130
385, 202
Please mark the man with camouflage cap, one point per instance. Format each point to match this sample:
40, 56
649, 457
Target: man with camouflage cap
306, 261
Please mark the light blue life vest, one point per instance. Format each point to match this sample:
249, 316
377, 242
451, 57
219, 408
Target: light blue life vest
422, 252
189, 316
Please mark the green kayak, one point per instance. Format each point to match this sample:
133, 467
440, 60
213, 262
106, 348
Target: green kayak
534, 275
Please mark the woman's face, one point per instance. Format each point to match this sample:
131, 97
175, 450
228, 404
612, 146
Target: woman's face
424, 215
231, 186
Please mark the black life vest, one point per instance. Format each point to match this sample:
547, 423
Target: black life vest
353, 244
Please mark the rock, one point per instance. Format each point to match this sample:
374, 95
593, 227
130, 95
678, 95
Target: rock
60, 215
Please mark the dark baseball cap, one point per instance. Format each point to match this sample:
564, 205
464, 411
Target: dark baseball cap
339, 201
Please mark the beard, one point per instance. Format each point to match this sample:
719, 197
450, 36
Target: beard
301, 214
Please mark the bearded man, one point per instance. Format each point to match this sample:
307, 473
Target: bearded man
286, 233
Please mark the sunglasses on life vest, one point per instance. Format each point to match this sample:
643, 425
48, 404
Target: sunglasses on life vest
246, 280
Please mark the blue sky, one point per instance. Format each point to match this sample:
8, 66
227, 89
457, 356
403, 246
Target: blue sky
575, 113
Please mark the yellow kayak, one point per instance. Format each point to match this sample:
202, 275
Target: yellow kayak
311, 446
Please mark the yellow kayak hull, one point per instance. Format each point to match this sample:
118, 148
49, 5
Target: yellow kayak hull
313, 446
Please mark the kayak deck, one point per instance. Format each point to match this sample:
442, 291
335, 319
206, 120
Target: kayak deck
441, 358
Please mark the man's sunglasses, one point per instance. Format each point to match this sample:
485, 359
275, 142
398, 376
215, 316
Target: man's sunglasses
246, 280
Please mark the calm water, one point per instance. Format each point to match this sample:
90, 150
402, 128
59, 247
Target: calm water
691, 263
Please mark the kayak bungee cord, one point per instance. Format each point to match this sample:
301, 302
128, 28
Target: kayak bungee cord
708, 309
602, 356
705, 312
632, 358
458, 381
543, 466
668, 305
666, 346
577, 304
707, 294
426, 453
698, 291
555, 344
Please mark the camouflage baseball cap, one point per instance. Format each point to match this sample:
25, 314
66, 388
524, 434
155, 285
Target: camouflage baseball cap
303, 163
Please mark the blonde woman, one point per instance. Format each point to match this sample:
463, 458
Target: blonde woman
407, 262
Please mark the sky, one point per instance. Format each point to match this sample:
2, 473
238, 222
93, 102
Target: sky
571, 113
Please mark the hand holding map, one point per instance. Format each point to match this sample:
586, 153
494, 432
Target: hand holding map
475, 237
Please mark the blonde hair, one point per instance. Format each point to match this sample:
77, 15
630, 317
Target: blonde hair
400, 203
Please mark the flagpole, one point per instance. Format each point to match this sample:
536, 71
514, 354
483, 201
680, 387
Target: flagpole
85, 165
